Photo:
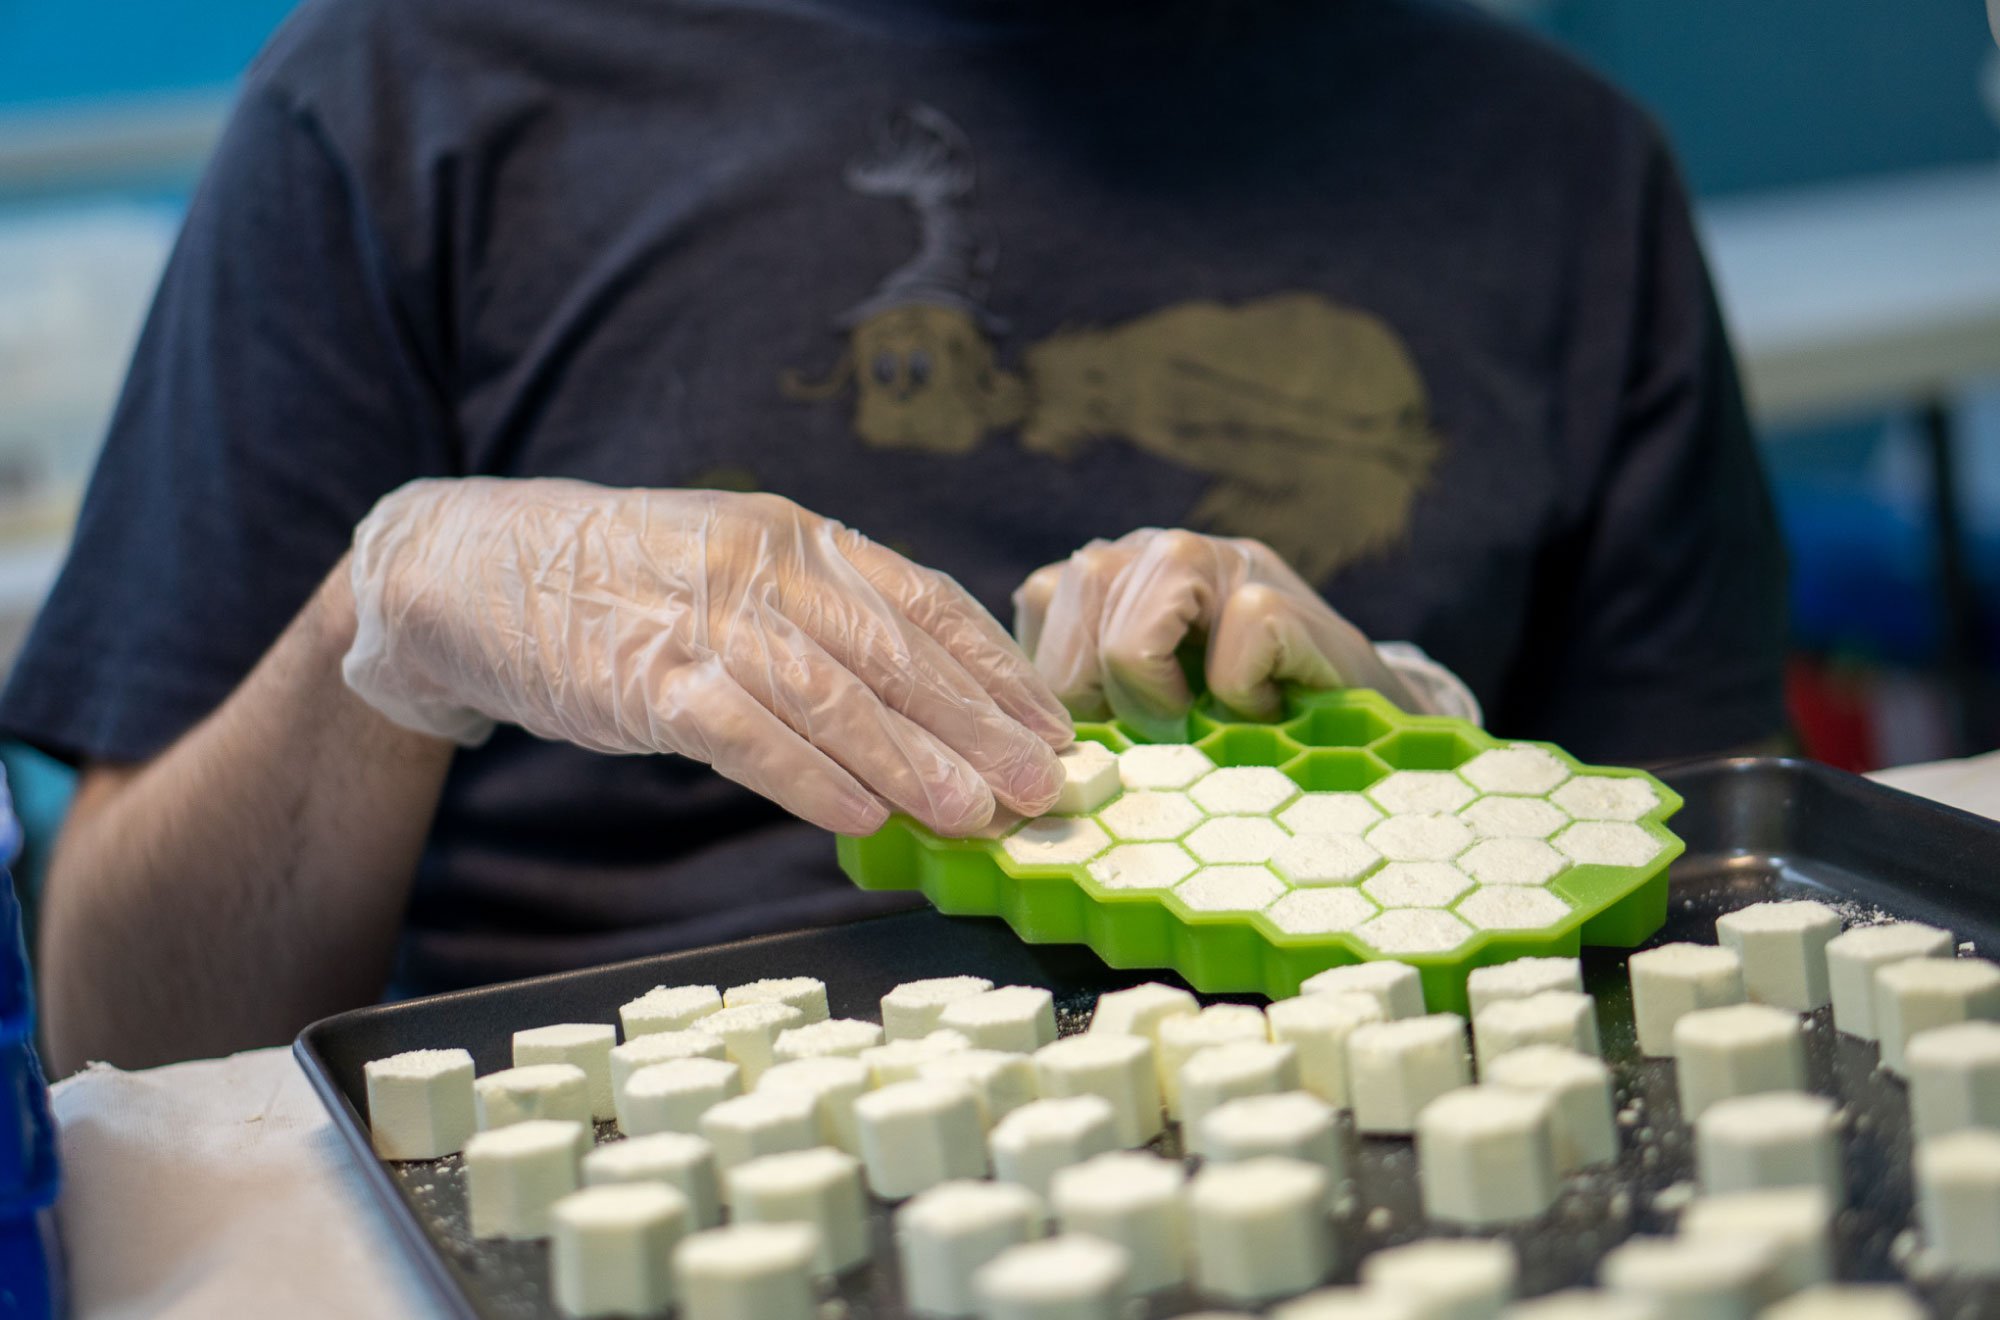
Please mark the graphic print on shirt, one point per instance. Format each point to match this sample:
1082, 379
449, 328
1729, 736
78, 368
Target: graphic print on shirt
1309, 417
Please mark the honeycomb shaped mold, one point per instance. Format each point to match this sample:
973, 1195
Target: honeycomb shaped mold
1249, 857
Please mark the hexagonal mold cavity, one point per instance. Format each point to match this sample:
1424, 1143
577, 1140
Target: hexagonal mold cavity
1607, 843
1143, 866
1248, 839
1429, 838
1512, 907
1406, 791
1248, 790
1414, 930
1417, 885
1513, 818
1056, 841
1249, 744
1606, 797
1320, 911
1324, 859
1162, 765
1517, 768
1337, 726
1427, 749
1330, 813
1512, 862
1335, 770
1144, 816
1229, 889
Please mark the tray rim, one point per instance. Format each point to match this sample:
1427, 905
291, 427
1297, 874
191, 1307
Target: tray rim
443, 1283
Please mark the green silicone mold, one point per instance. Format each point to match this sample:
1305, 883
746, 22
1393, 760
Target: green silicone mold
1251, 856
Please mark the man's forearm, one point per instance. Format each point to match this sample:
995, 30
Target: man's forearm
250, 878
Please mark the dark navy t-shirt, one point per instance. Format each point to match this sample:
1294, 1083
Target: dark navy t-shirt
1385, 283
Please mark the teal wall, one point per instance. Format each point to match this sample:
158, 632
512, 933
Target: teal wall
67, 50
1756, 92
1762, 93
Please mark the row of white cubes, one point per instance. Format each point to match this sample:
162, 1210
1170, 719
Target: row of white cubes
1729, 1016
1213, 1026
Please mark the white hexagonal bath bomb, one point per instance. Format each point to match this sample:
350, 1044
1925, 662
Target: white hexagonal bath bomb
1168, 765
1142, 816
1244, 790
1415, 930
1407, 791
1606, 797
1090, 778
1056, 841
1784, 951
1329, 813
1421, 838
1517, 768
1513, 862
1513, 818
1143, 866
1325, 859
1324, 911
1607, 843
1236, 839
1230, 889
1417, 885
1512, 907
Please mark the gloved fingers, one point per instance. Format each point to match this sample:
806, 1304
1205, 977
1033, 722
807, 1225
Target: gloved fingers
827, 704
913, 674
974, 639
1067, 651
711, 718
1261, 641
1174, 588
1031, 605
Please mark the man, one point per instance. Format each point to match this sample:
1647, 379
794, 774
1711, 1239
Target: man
1379, 299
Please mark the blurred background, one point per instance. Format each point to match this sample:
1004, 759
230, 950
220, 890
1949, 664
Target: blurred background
1846, 154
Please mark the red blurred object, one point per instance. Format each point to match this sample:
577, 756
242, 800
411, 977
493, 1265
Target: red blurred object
1832, 709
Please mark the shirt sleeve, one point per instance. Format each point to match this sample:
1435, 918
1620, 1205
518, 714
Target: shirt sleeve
1658, 625
276, 392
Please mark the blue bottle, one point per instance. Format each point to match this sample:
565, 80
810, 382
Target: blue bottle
31, 1273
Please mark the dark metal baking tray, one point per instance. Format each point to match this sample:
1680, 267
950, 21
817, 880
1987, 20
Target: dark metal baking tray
1755, 829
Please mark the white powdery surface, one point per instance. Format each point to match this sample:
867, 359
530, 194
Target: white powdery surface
1244, 790
1512, 907
1607, 843
1172, 765
1330, 813
1415, 930
1143, 816
1513, 862
1421, 790
1426, 838
1605, 797
1325, 859
1517, 768
1143, 866
1417, 885
1230, 889
1090, 778
1055, 841
1237, 839
1513, 818
1321, 911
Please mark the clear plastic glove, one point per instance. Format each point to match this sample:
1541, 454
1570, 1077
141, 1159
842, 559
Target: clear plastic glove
794, 655
1106, 627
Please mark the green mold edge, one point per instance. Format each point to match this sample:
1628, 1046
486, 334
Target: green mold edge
1218, 953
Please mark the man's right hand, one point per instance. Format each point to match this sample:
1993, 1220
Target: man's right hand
792, 654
